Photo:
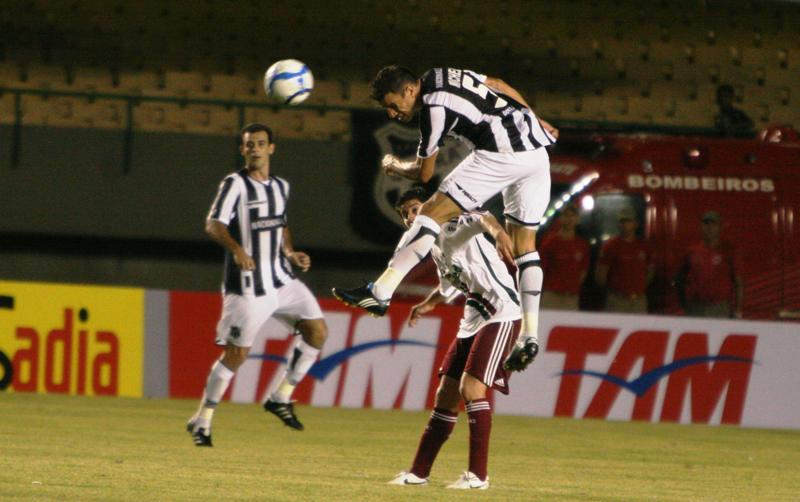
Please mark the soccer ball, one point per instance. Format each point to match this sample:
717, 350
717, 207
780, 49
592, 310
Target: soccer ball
288, 81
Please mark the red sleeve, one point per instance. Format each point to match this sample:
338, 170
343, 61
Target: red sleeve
651, 253
736, 261
586, 252
606, 252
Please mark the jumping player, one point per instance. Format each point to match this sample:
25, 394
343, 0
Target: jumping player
508, 155
467, 264
248, 219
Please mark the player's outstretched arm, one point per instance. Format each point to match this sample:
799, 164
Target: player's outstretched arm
505, 248
435, 297
503, 88
500, 86
421, 169
219, 232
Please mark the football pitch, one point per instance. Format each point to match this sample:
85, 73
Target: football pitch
82, 448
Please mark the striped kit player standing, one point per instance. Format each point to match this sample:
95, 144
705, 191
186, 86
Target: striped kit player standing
248, 219
468, 264
508, 156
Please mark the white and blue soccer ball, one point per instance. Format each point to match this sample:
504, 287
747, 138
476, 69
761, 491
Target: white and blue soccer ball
288, 81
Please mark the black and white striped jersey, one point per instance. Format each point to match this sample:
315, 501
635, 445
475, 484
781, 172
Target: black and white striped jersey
255, 214
457, 103
468, 263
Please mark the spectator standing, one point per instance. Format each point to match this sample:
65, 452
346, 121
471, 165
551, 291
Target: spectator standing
625, 268
565, 260
709, 282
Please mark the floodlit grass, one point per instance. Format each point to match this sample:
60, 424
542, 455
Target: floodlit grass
71, 448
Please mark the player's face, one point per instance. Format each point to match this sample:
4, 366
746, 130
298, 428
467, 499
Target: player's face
400, 106
256, 149
710, 229
568, 220
409, 211
627, 227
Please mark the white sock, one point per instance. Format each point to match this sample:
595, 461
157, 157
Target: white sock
412, 249
216, 385
303, 358
529, 278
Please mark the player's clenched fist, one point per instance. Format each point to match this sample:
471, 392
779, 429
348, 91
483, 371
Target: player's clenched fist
244, 260
300, 260
388, 164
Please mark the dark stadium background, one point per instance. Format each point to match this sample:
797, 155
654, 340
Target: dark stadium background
117, 119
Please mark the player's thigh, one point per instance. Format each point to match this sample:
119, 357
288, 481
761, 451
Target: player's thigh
242, 318
526, 199
491, 346
478, 177
455, 359
440, 207
296, 303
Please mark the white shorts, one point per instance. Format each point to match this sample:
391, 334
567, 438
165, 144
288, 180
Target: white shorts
522, 177
244, 316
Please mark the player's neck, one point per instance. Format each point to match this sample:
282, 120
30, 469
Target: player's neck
566, 234
258, 173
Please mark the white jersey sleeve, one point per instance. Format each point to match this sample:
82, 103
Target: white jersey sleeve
469, 224
224, 206
431, 130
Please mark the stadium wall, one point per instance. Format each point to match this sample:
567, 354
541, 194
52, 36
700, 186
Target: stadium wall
133, 342
70, 182
73, 215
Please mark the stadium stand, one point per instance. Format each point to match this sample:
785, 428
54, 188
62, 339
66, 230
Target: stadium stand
582, 59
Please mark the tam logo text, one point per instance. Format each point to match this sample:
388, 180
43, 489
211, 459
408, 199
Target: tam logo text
695, 381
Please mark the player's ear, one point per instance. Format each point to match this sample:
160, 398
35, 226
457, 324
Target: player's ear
271, 148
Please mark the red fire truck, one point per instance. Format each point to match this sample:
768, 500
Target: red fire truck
671, 182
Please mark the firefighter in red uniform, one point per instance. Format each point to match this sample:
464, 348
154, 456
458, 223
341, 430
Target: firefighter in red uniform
709, 283
625, 268
565, 260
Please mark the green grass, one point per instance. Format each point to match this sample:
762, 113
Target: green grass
71, 448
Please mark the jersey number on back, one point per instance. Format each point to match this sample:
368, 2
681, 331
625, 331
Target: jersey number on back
470, 84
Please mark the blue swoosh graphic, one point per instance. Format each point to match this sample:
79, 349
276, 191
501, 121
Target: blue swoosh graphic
642, 384
285, 75
325, 366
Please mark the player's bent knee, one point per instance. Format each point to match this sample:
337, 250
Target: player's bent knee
471, 388
448, 394
314, 332
234, 356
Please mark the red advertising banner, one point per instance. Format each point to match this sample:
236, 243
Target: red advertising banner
616, 367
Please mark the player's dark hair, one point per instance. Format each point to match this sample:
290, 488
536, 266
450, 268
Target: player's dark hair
415, 193
255, 127
390, 79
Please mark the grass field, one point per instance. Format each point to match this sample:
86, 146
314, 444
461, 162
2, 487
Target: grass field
70, 448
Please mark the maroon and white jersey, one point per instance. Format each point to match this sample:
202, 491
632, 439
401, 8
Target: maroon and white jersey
468, 263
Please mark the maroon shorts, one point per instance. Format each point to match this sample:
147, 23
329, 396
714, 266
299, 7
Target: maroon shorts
482, 354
